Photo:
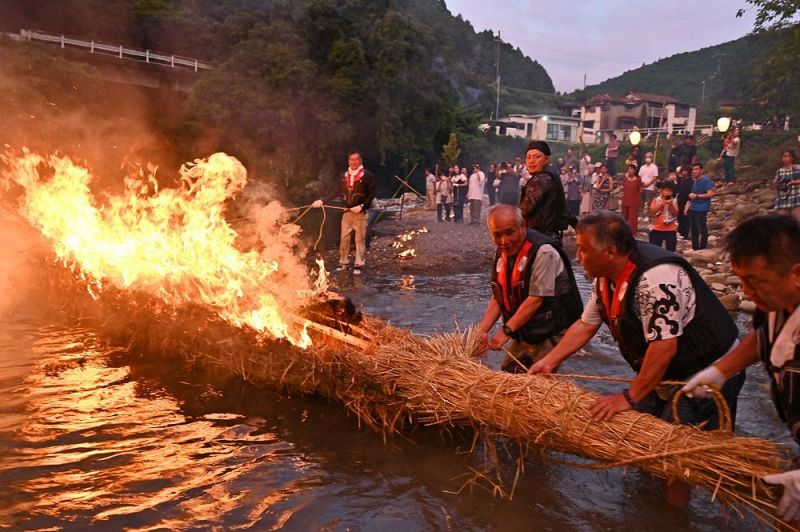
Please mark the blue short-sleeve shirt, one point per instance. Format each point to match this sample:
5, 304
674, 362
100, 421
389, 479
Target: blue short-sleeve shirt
701, 186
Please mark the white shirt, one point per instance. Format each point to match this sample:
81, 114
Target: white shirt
476, 182
649, 175
664, 302
430, 182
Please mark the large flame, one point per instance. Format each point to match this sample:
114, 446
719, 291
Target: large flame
174, 244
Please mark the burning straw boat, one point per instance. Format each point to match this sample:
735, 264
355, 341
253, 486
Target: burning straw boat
161, 270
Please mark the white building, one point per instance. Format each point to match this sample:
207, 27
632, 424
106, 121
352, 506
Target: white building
539, 127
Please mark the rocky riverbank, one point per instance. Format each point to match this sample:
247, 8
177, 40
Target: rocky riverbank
731, 205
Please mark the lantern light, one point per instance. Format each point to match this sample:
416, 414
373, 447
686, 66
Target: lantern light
635, 137
723, 124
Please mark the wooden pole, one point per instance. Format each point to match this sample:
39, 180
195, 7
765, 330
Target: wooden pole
330, 332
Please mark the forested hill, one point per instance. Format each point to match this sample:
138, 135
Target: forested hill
298, 82
730, 70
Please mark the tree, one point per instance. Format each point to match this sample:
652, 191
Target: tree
450, 151
779, 77
773, 13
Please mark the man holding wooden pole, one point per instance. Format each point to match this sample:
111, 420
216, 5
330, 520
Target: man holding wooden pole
357, 188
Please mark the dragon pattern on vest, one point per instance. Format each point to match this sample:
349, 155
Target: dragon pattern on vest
706, 338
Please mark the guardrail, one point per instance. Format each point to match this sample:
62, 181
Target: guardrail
147, 56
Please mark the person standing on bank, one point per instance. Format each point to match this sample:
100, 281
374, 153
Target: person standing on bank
507, 184
664, 209
730, 155
602, 189
430, 187
573, 183
533, 289
787, 182
699, 205
543, 204
765, 255
491, 189
664, 317
648, 172
444, 197
475, 194
631, 197
357, 189
459, 182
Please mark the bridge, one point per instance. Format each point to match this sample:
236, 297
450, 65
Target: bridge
122, 64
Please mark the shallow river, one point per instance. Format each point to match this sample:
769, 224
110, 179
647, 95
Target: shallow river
95, 437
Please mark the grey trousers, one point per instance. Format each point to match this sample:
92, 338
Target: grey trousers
475, 211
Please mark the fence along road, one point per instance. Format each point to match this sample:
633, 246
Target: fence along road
147, 56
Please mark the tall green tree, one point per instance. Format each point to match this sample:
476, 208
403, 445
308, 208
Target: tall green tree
451, 151
779, 77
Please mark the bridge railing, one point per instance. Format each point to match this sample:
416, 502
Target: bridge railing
148, 56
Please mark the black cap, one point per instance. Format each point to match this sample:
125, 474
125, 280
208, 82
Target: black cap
539, 145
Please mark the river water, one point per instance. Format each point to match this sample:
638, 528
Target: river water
95, 437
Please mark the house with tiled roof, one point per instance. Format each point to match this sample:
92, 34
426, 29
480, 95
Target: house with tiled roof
604, 114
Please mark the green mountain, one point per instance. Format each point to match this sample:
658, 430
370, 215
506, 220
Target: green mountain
298, 82
730, 72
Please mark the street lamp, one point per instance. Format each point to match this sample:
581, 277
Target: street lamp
635, 137
723, 124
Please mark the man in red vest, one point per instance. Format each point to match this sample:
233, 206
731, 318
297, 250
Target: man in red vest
666, 320
533, 287
357, 189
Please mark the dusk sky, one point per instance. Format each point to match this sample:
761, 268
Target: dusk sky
604, 38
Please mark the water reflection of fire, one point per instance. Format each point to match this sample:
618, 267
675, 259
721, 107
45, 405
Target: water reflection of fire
171, 243
408, 282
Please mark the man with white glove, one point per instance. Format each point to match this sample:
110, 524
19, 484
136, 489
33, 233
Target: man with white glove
765, 254
698, 385
357, 189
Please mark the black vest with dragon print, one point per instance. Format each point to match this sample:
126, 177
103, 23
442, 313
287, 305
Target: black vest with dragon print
706, 338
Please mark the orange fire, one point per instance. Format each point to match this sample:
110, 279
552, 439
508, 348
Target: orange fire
174, 244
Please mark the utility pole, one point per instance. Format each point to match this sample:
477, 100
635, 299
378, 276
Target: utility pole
497, 76
703, 94
584, 81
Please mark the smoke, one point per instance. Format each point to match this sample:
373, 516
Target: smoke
53, 105
20, 250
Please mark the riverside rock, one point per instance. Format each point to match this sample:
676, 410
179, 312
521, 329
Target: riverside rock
743, 212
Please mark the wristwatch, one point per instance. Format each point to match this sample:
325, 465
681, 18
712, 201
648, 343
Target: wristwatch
507, 331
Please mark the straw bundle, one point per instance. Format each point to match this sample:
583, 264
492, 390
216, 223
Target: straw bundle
394, 377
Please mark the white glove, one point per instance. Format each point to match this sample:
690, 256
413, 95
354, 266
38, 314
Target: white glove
317, 204
357, 209
789, 507
697, 386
